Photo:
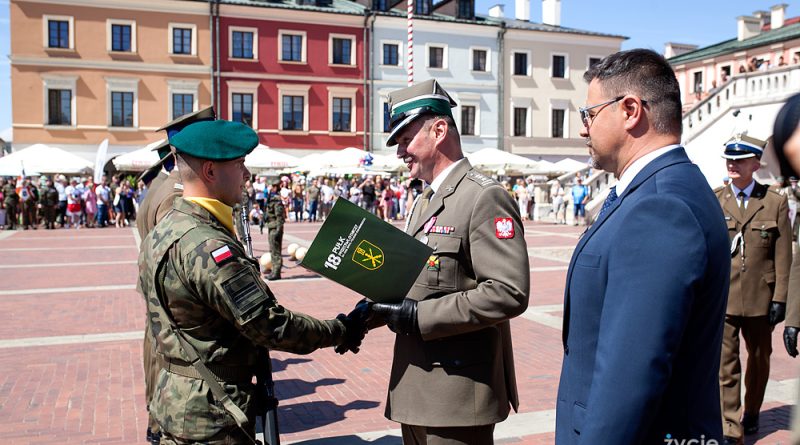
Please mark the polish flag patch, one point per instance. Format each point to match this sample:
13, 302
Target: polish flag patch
221, 254
504, 228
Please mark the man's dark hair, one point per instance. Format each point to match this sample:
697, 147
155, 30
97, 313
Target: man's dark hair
647, 74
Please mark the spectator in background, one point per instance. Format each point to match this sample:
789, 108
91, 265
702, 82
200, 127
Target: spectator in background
49, 205
558, 207
103, 200
28, 199
297, 201
60, 185
531, 188
522, 197
355, 195
73, 204
312, 200
781, 62
387, 201
257, 216
328, 195
90, 204
580, 196
260, 187
285, 194
368, 194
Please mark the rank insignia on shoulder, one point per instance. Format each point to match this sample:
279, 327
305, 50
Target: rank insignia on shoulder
222, 254
504, 228
432, 263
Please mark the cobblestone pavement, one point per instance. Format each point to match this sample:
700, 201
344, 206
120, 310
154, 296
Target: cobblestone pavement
70, 347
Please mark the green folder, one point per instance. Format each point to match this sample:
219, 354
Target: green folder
372, 257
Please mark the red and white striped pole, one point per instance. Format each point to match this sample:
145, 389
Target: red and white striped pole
410, 42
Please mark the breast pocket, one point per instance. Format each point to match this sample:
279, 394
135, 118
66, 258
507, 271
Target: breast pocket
442, 272
767, 231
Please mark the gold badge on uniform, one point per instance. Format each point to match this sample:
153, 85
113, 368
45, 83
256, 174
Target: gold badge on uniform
433, 263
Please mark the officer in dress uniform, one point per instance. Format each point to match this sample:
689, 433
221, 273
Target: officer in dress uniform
761, 249
275, 216
208, 308
452, 375
164, 185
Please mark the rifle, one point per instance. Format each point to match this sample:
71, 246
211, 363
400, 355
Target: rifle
269, 420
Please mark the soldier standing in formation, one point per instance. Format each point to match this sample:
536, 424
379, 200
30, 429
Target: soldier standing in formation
29, 198
49, 204
275, 216
164, 185
208, 308
761, 256
11, 202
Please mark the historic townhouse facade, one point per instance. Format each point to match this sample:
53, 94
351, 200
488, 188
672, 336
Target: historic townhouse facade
452, 45
543, 83
295, 72
87, 70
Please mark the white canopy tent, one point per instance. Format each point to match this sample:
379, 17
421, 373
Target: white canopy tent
495, 160
569, 165
41, 158
265, 158
137, 160
348, 157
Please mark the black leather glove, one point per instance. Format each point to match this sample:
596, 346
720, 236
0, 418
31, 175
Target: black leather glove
355, 324
401, 317
790, 340
777, 313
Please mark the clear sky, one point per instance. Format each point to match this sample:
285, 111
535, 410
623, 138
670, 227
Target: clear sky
648, 23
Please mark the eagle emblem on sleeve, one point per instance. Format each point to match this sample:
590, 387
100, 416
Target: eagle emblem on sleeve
504, 228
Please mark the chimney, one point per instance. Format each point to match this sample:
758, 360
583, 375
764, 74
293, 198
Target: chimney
672, 49
551, 12
523, 9
748, 26
778, 16
496, 11
762, 16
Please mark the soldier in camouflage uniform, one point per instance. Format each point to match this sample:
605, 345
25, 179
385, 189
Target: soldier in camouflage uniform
275, 215
49, 203
205, 299
11, 202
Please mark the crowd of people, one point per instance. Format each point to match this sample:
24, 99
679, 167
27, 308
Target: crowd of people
56, 202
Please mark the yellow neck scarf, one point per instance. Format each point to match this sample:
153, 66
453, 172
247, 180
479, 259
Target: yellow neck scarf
222, 212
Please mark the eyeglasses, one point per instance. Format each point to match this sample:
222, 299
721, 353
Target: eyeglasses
587, 117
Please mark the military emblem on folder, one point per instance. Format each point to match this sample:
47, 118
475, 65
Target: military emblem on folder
368, 255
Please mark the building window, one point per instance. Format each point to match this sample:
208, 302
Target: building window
181, 40
466, 9
292, 48
341, 114
242, 108
467, 120
121, 109
242, 44
391, 54
342, 50
58, 34
292, 112
59, 107
479, 57
423, 7
520, 64
520, 121
182, 104
435, 57
559, 66
558, 123
121, 38
698, 82
387, 117
594, 61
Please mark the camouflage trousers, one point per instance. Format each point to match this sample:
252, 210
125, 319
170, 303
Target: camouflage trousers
151, 370
233, 437
275, 246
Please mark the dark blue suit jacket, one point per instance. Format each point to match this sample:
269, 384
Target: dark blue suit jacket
644, 308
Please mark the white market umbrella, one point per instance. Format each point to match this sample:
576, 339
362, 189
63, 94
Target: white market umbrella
138, 160
494, 160
569, 165
41, 158
341, 171
348, 157
265, 158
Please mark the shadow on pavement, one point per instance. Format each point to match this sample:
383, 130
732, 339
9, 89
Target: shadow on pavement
307, 416
351, 440
281, 365
772, 420
290, 388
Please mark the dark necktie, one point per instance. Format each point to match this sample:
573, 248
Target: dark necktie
612, 196
741, 202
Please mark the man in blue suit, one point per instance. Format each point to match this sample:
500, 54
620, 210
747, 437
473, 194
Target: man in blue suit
647, 285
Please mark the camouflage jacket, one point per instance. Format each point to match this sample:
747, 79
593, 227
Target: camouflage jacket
10, 194
49, 197
193, 265
275, 213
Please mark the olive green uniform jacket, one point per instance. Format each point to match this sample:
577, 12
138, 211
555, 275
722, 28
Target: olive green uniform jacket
763, 275
193, 267
460, 370
161, 192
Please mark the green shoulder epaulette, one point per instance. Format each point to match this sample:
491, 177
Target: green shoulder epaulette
480, 178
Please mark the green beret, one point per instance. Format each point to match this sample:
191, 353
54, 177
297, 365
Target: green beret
215, 140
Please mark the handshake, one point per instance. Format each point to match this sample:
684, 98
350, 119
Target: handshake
400, 317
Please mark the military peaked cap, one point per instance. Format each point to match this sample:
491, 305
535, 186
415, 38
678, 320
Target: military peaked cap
206, 114
418, 100
215, 140
742, 146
